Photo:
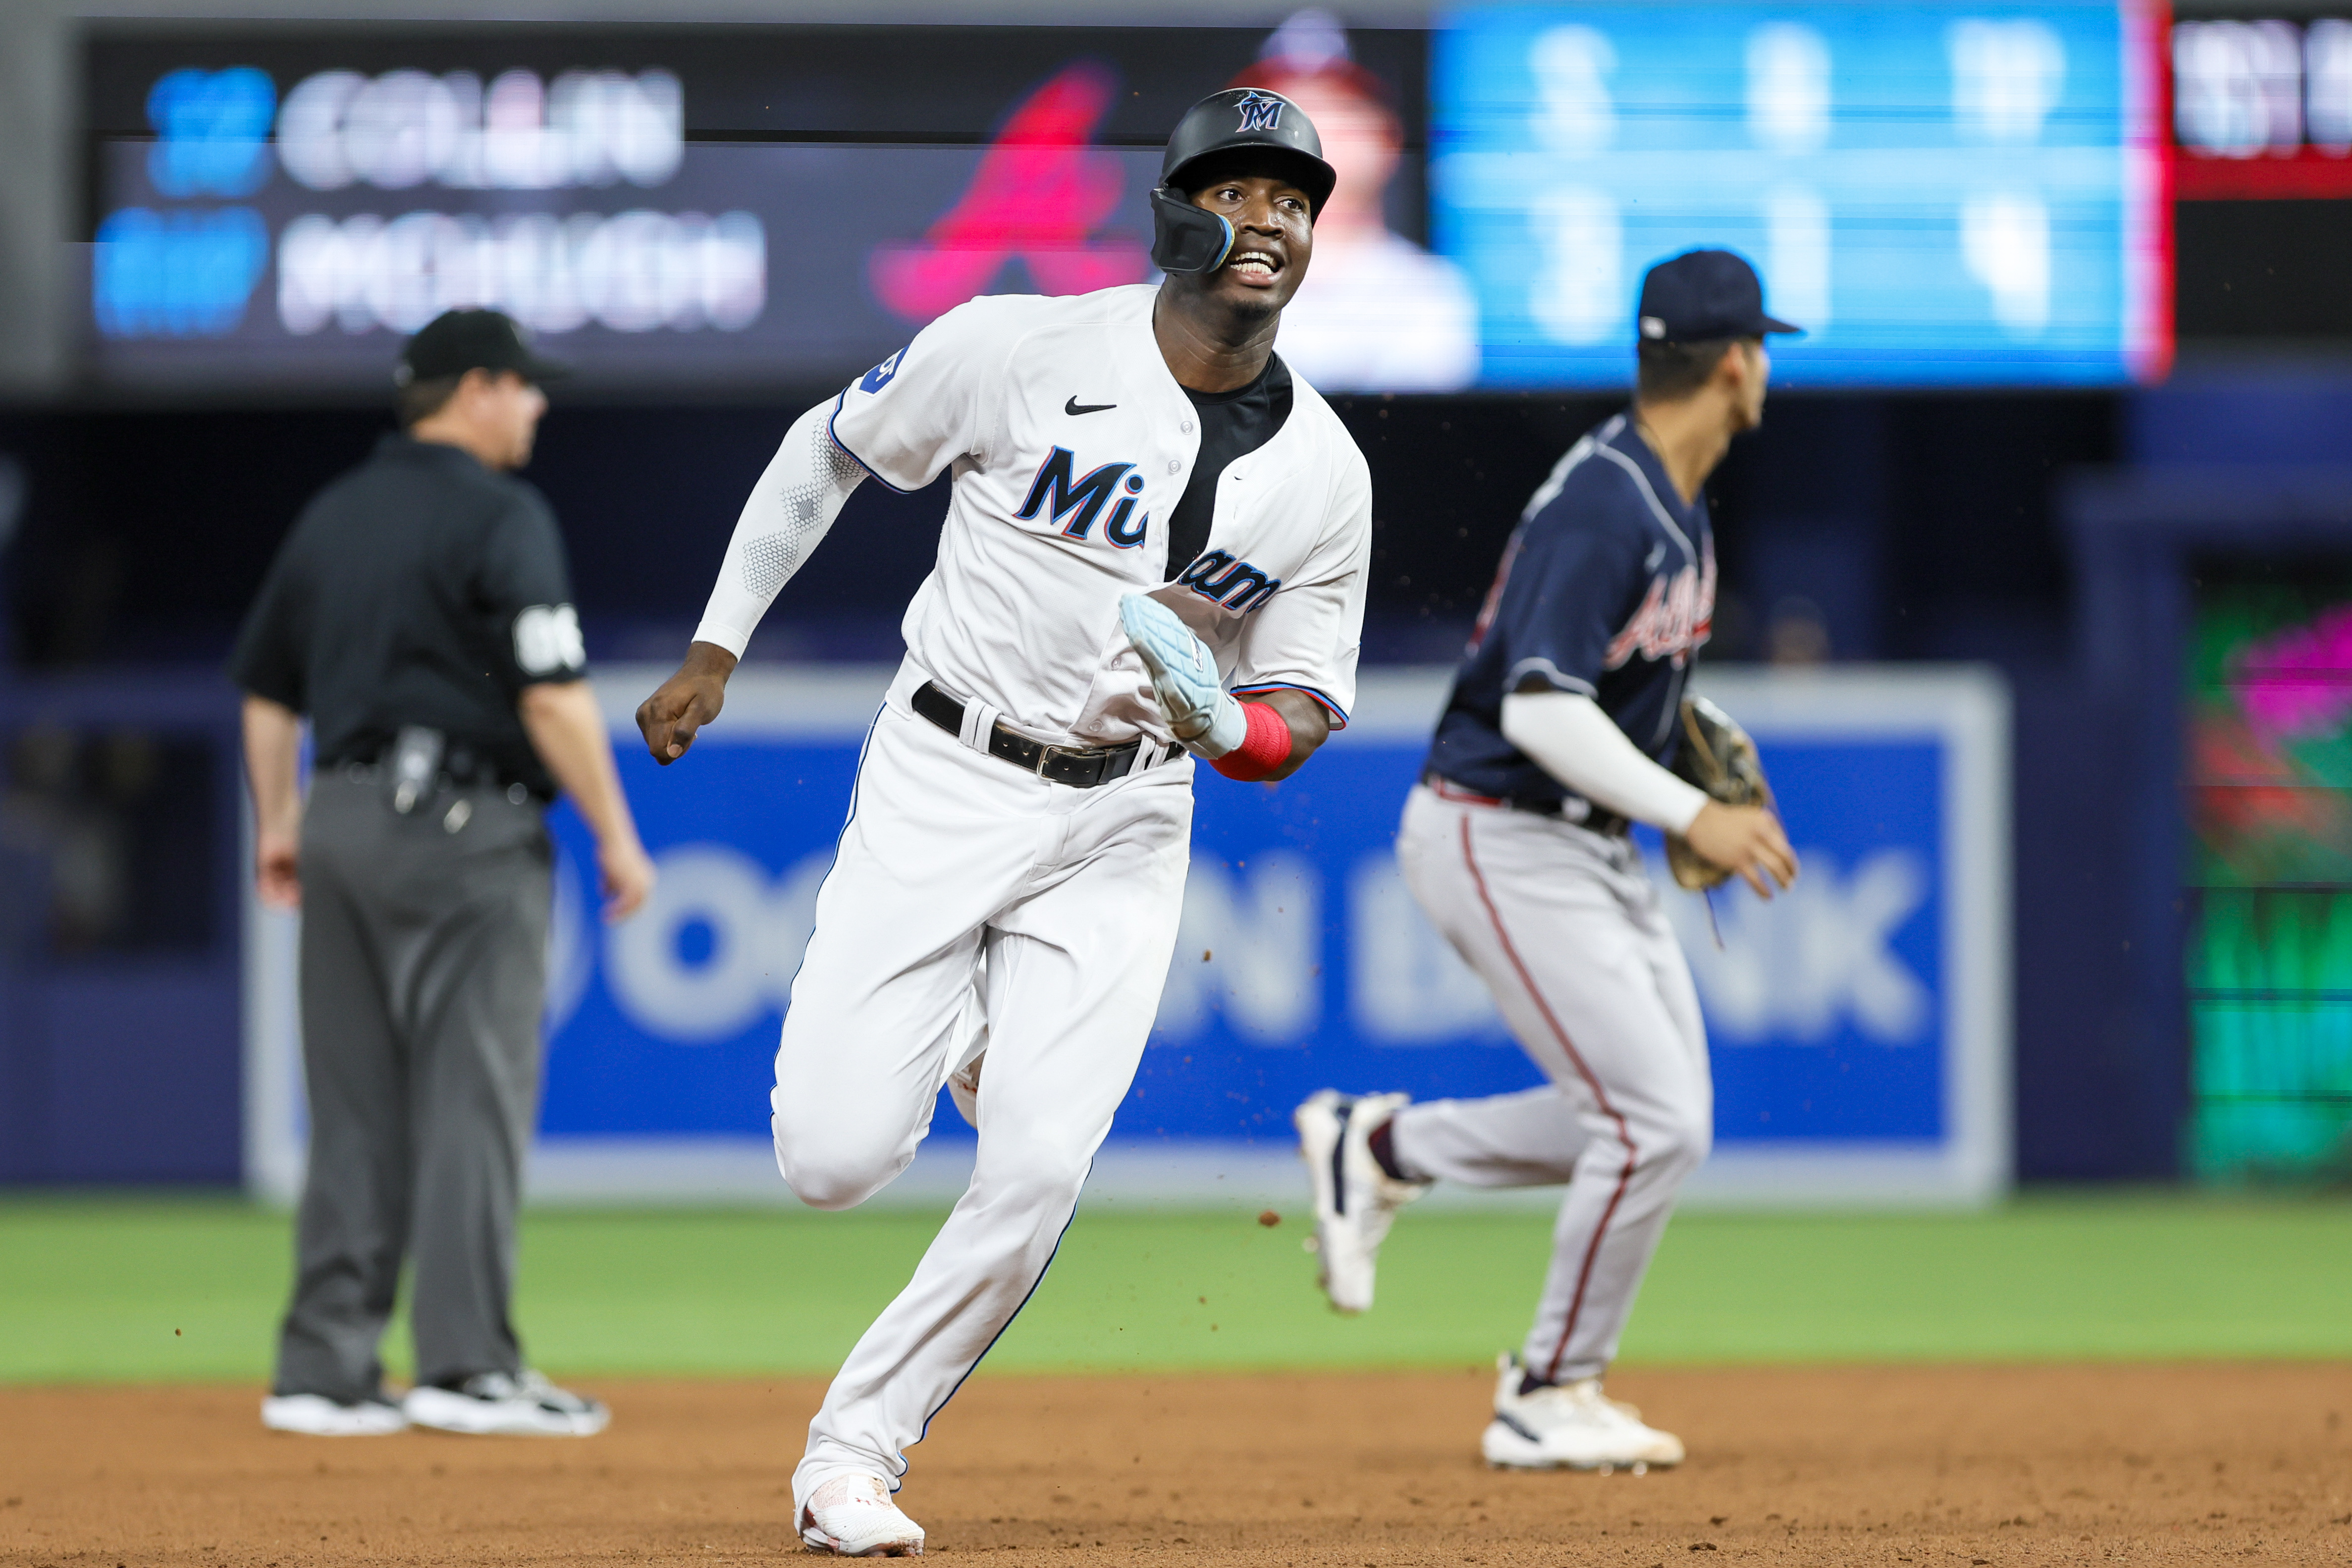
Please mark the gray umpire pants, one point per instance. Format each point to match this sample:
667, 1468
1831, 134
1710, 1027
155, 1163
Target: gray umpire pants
424, 972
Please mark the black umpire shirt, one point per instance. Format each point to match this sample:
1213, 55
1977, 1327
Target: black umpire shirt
419, 588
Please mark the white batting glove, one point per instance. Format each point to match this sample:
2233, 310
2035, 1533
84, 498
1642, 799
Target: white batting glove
1183, 677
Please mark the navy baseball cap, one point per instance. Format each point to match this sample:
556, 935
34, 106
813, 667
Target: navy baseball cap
455, 342
1703, 295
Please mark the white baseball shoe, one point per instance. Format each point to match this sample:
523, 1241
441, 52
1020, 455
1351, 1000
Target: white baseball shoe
1569, 1426
493, 1405
316, 1415
853, 1516
1355, 1200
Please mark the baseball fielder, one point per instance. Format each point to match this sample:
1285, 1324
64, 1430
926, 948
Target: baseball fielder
1155, 547
1515, 842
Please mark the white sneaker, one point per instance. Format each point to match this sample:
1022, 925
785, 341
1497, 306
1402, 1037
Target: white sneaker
1569, 1426
853, 1516
316, 1415
1355, 1200
491, 1403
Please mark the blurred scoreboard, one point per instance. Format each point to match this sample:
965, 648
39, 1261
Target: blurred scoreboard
1939, 193
2262, 107
677, 209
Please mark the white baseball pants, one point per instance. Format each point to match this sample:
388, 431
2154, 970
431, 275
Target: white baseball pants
1569, 934
972, 905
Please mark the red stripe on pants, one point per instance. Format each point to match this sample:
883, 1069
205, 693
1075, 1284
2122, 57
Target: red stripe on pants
1576, 1059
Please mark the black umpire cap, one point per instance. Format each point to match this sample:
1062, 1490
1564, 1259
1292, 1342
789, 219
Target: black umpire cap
455, 342
1704, 295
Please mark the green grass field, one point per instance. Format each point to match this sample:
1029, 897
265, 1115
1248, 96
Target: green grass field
114, 1288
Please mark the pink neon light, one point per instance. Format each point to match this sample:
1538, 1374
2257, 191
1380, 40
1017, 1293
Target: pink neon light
2148, 174
1041, 191
2299, 681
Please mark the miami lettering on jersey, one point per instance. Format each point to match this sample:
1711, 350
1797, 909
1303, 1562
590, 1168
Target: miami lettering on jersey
1055, 494
1221, 579
1675, 618
1070, 444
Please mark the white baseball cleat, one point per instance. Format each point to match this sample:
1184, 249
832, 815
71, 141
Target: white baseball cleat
1355, 1200
854, 1516
1569, 1426
493, 1405
316, 1415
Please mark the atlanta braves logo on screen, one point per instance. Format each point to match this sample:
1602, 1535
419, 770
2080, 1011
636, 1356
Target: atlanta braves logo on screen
1261, 111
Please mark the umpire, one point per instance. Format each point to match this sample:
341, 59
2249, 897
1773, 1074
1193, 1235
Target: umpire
419, 615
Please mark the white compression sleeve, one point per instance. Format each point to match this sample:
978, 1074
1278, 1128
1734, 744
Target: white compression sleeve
1573, 741
789, 512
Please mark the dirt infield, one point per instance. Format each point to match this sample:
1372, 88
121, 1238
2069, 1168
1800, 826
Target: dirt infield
1947, 1466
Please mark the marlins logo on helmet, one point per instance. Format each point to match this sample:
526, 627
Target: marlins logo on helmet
1260, 111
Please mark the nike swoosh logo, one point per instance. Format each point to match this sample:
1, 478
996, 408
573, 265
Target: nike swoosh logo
1075, 407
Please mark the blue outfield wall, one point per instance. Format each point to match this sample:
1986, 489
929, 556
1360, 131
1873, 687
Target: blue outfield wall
1302, 961
1860, 1024
119, 983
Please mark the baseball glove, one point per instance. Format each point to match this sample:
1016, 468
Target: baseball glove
1717, 755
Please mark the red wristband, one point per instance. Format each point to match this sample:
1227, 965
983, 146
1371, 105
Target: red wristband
1264, 747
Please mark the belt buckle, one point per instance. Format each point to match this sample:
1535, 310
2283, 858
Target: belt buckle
1046, 756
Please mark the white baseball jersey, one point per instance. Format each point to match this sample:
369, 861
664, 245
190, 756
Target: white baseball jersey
1071, 444
977, 915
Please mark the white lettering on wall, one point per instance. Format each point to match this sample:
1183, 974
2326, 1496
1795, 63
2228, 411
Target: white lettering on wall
1251, 948
751, 932
1406, 985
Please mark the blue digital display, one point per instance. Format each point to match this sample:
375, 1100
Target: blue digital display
1940, 194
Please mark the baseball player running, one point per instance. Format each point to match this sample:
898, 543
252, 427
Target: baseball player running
1515, 842
1155, 547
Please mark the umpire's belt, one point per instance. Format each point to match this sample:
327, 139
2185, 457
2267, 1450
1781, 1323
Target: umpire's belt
1080, 767
1595, 820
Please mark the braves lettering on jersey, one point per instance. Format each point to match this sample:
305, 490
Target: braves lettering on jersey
1606, 589
1071, 445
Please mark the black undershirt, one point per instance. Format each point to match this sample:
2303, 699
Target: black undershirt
1233, 424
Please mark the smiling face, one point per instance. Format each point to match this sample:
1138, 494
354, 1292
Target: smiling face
1274, 237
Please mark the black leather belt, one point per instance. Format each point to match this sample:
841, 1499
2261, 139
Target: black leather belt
461, 769
1080, 767
1596, 820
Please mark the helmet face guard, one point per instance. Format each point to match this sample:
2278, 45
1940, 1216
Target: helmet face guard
1186, 238
1240, 120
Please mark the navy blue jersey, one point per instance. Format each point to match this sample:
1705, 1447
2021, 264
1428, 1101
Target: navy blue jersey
1607, 589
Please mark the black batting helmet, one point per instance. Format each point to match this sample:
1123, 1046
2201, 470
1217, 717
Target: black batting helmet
1240, 120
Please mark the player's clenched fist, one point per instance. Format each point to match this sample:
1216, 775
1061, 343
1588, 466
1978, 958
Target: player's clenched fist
1747, 839
684, 703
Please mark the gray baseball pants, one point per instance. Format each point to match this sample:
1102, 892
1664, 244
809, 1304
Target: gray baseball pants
1568, 933
424, 972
